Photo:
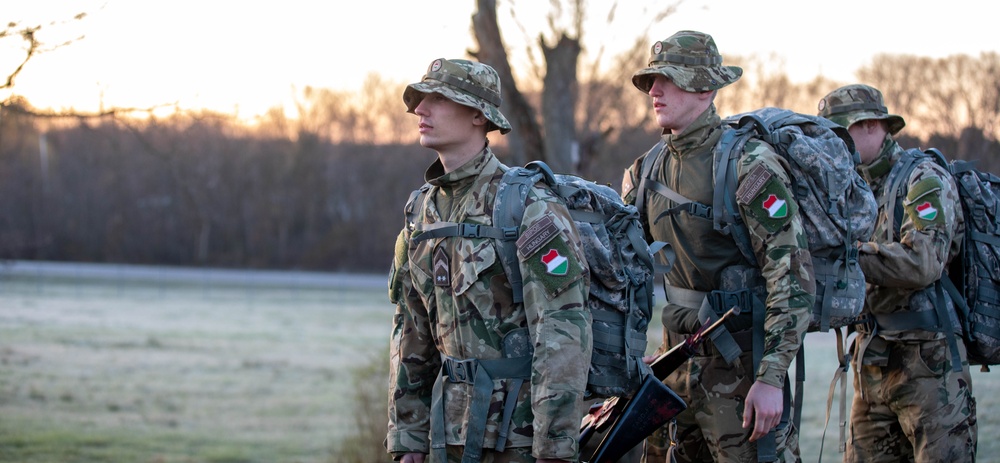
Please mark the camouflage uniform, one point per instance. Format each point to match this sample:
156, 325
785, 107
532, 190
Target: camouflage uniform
711, 427
454, 303
909, 404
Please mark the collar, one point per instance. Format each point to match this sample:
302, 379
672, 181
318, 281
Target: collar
435, 173
697, 134
880, 166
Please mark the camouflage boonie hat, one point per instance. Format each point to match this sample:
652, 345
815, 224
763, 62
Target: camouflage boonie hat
852, 103
465, 82
691, 60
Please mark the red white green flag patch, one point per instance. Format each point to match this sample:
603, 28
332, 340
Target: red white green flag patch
927, 211
555, 264
776, 207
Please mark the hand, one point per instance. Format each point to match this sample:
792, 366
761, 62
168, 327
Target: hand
762, 409
413, 458
649, 359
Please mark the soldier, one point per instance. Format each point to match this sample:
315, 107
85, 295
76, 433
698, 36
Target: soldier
476, 376
735, 411
910, 403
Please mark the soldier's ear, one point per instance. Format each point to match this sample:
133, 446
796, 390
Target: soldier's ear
479, 119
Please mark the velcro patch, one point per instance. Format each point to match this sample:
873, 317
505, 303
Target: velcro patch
750, 186
536, 236
442, 268
773, 206
923, 203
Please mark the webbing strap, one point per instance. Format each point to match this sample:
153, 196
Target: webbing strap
684, 297
463, 230
439, 444
480, 374
900, 172
646, 175
839, 376
721, 337
767, 445
944, 321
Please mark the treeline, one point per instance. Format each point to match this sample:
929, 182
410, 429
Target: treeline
323, 191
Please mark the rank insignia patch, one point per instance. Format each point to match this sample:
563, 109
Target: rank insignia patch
442, 268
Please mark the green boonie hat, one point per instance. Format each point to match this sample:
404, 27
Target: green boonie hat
465, 82
691, 60
857, 102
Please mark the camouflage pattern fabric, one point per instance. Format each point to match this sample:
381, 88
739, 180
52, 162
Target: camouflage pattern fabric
913, 407
691, 60
465, 82
719, 390
908, 404
702, 254
926, 243
452, 298
852, 103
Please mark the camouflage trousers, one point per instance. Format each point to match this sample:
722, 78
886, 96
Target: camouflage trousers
514, 455
711, 428
910, 406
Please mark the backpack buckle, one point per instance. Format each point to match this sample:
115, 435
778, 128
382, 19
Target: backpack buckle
460, 371
509, 233
468, 230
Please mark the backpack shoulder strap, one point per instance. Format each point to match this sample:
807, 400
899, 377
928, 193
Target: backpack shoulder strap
508, 210
649, 161
416, 198
646, 182
726, 216
895, 184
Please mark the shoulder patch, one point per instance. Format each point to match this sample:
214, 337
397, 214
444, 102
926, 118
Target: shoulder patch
923, 203
752, 184
536, 236
773, 205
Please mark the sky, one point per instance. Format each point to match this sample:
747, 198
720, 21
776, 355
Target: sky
244, 57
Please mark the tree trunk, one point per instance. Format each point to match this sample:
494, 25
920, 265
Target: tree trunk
559, 96
525, 140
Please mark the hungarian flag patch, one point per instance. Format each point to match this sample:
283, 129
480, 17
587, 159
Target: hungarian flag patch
776, 207
927, 211
555, 264
765, 200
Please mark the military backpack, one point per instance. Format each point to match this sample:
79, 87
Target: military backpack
836, 205
621, 266
973, 279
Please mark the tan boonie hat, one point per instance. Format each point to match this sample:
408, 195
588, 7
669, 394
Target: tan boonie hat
857, 102
691, 60
465, 82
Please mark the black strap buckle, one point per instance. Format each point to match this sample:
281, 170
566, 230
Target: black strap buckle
460, 371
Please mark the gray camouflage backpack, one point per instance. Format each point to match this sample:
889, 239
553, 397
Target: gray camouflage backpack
837, 205
620, 261
973, 278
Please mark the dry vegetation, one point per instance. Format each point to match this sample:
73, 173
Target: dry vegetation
211, 369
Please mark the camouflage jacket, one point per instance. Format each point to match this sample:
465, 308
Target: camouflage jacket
702, 253
901, 268
453, 299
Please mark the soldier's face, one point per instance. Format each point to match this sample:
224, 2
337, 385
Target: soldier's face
444, 123
675, 109
868, 137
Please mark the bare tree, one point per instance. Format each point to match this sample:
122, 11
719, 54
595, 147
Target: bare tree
525, 141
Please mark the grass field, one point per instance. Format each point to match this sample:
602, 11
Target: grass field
163, 366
